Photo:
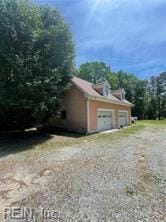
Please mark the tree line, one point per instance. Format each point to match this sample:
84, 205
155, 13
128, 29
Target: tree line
148, 96
36, 62
37, 56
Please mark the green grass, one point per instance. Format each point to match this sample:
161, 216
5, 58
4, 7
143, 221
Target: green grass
153, 123
132, 129
32, 144
115, 135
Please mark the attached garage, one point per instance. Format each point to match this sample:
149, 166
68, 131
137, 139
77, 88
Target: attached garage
106, 119
90, 108
123, 118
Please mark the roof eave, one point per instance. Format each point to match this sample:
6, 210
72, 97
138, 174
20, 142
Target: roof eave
95, 98
88, 96
83, 91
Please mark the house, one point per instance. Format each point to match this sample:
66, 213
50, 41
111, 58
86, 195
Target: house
89, 108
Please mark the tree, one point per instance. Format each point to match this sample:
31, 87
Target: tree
135, 92
163, 107
157, 96
36, 62
94, 71
148, 97
161, 94
135, 88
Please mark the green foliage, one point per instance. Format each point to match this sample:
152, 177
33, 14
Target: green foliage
36, 62
134, 87
149, 98
94, 71
154, 123
157, 97
97, 72
135, 92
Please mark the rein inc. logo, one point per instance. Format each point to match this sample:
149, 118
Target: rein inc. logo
30, 214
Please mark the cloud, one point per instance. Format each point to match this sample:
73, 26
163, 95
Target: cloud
127, 34
133, 33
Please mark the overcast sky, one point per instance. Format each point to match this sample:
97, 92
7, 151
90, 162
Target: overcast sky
126, 34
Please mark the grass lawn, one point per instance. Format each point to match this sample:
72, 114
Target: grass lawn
31, 144
153, 123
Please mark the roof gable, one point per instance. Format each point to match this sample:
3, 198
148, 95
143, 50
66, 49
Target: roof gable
88, 89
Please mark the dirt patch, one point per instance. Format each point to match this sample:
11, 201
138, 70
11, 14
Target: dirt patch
100, 180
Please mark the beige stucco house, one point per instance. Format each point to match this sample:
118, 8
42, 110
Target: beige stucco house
89, 108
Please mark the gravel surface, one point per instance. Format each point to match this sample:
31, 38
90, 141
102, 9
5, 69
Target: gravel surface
121, 180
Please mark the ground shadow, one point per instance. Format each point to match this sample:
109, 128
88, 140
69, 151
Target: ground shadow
15, 142
69, 134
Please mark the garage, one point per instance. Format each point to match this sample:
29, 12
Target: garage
106, 119
123, 118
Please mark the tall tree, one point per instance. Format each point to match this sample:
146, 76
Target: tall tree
157, 96
36, 62
135, 92
161, 93
94, 71
148, 97
135, 88
152, 101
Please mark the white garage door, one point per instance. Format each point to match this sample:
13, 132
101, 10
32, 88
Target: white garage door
123, 118
106, 120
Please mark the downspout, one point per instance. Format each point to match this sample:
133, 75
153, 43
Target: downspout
88, 119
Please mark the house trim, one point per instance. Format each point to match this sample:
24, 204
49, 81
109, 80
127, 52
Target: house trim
99, 109
100, 99
88, 120
106, 100
125, 111
85, 93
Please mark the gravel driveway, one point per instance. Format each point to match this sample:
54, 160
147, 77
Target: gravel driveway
121, 180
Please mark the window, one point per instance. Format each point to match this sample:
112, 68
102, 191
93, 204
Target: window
123, 96
106, 88
63, 114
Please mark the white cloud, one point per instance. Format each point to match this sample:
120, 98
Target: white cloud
133, 24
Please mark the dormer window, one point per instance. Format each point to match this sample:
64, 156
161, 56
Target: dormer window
106, 89
123, 96
103, 88
120, 94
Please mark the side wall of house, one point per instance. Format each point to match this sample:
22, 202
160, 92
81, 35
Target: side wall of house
75, 106
93, 109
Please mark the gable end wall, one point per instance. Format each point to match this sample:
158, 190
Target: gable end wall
75, 105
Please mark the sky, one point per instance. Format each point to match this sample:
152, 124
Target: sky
128, 35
